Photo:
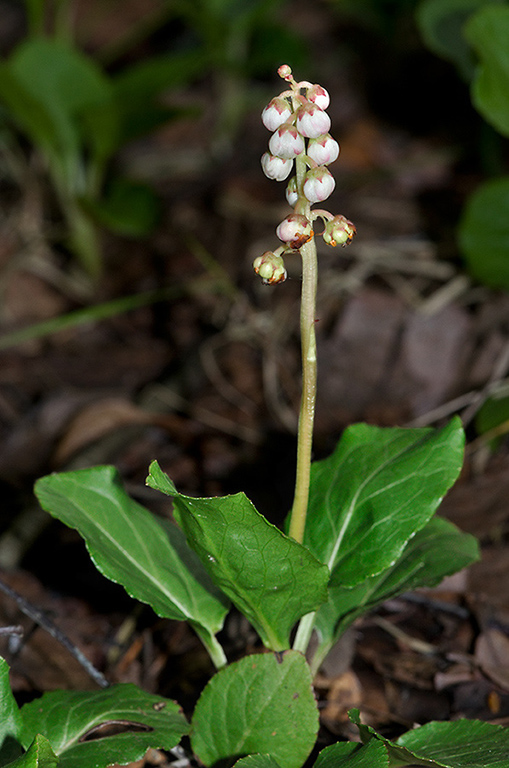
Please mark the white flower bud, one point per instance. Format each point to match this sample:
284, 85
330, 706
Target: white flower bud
295, 230
323, 150
276, 113
287, 142
277, 168
318, 185
318, 96
312, 121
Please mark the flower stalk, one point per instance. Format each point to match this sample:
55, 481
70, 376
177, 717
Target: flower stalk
300, 126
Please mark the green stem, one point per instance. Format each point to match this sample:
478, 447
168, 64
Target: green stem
304, 631
213, 646
308, 398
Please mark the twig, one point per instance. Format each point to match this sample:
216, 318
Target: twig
43, 621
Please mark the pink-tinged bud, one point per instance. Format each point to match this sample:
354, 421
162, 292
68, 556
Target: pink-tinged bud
285, 71
323, 150
318, 96
318, 185
295, 230
286, 142
312, 121
277, 168
339, 231
291, 191
276, 113
271, 268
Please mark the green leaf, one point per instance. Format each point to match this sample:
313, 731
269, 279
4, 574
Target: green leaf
129, 545
461, 744
271, 578
375, 492
137, 90
488, 32
74, 90
398, 755
441, 24
437, 550
352, 755
484, 233
262, 703
257, 761
38, 755
128, 208
100, 728
10, 718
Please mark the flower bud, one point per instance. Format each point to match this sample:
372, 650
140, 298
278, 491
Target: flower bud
339, 231
286, 142
277, 168
291, 191
318, 185
319, 96
323, 150
312, 121
276, 113
295, 230
285, 71
271, 268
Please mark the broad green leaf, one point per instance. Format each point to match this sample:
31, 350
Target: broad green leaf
262, 703
460, 744
10, 718
38, 755
74, 91
437, 550
257, 761
441, 24
138, 89
484, 233
127, 208
375, 492
398, 754
129, 545
349, 754
271, 578
100, 728
37, 120
488, 32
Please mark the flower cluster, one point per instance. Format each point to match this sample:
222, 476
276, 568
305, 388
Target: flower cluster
300, 136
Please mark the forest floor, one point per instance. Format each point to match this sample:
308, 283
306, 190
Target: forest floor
207, 381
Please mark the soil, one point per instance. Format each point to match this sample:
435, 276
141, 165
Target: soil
207, 380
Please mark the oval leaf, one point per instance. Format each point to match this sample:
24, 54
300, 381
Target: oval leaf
352, 755
488, 32
130, 546
465, 743
436, 551
378, 489
271, 578
484, 233
10, 721
100, 728
262, 703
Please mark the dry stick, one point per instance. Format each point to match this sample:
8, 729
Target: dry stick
40, 618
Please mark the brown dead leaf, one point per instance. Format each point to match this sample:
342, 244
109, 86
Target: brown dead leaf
95, 421
492, 654
344, 692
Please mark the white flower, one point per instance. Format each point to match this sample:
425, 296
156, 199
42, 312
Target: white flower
291, 191
319, 184
323, 150
276, 113
286, 142
318, 96
295, 230
312, 121
277, 168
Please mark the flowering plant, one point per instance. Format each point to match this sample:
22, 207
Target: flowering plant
361, 530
